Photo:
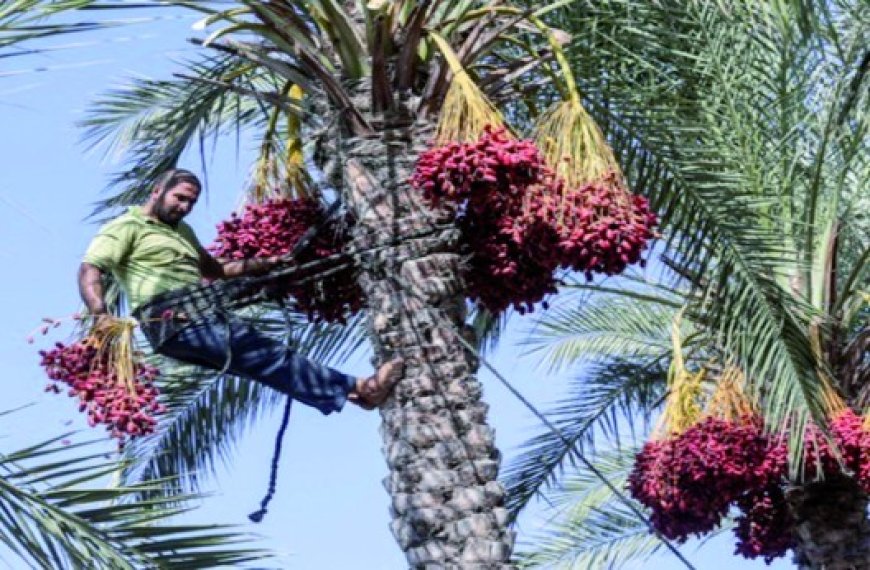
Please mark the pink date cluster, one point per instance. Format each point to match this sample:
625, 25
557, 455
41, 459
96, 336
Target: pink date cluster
272, 229
690, 481
520, 222
127, 412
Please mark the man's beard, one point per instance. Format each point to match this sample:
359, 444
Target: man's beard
164, 214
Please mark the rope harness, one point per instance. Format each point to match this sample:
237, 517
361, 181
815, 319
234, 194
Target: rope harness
221, 297
167, 312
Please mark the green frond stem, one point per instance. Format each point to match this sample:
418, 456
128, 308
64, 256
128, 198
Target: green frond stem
297, 177
567, 86
448, 17
852, 280
465, 111
265, 170
683, 405
447, 25
280, 168
572, 143
339, 27
574, 146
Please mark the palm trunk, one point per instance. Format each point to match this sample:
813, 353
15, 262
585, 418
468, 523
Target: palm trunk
446, 502
832, 529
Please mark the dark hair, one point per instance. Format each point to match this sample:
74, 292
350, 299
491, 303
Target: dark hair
175, 176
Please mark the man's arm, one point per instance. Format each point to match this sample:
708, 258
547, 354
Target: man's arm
107, 250
91, 288
218, 269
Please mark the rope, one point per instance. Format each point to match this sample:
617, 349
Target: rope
403, 284
244, 291
307, 237
258, 515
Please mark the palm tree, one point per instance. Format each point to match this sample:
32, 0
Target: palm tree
364, 84
746, 124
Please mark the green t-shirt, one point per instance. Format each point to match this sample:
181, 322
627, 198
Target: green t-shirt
145, 255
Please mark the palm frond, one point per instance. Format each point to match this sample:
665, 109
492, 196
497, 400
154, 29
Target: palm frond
592, 407
722, 130
589, 528
488, 328
153, 121
56, 512
326, 342
288, 31
600, 328
688, 112
25, 20
206, 415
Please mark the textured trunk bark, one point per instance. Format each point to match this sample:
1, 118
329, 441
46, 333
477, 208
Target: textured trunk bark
832, 530
446, 502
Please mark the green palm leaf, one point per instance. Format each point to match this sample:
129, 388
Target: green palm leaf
25, 20
680, 112
154, 121
592, 407
748, 146
56, 512
601, 328
206, 414
589, 528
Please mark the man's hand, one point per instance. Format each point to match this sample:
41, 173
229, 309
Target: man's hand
260, 265
219, 269
101, 321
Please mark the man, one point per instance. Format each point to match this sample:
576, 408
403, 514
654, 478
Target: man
153, 254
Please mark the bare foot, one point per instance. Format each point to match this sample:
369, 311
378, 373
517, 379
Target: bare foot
371, 392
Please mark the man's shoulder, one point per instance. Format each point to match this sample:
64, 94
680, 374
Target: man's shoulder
124, 221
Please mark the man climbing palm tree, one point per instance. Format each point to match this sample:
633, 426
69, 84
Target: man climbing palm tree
154, 255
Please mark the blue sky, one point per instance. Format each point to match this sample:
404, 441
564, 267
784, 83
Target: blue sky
330, 511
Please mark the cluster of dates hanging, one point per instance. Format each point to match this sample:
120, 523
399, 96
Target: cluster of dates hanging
521, 223
691, 480
272, 229
127, 408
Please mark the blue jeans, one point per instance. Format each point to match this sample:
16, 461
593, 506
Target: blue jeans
223, 342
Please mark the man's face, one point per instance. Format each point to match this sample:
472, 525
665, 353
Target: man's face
172, 205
